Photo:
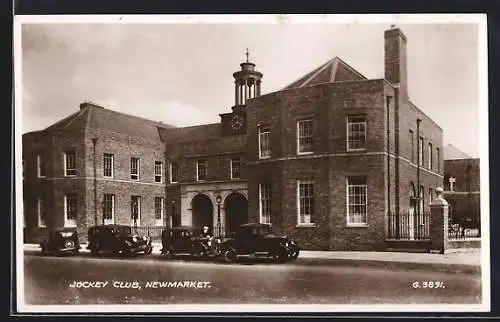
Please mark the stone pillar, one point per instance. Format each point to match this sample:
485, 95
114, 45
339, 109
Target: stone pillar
438, 226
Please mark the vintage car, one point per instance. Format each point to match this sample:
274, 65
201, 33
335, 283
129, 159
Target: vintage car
59, 241
187, 241
257, 240
117, 239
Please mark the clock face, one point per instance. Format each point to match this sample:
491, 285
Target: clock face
237, 122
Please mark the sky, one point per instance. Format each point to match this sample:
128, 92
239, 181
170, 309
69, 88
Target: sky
181, 74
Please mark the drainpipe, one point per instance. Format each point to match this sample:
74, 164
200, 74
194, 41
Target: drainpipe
418, 164
94, 142
388, 98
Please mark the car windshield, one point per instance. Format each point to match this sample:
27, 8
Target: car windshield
261, 231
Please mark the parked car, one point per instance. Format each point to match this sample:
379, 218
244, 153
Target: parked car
187, 241
117, 239
59, 241
257, 240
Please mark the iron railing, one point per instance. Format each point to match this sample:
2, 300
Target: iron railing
408, 225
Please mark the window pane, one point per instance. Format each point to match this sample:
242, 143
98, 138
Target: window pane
356, 133
357, 200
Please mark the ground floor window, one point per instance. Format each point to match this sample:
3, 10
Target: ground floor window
265, 203
70, 210
159, 211
357, 201
305, 202
41, 213
135, 210
108, 210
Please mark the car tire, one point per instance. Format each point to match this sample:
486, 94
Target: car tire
126, 252
148, 250
229, 255
294, 255
280, 257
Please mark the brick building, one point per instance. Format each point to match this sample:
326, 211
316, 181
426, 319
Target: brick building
462, 184
325, 159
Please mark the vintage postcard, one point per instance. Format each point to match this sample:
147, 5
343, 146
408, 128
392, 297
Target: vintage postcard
251, 163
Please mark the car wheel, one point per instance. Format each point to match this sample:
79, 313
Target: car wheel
126, 252
229, 255
69, 244
95, 250
148, 250
294, 255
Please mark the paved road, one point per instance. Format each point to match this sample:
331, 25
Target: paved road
49, 280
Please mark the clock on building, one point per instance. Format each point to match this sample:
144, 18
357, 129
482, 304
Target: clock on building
237, 122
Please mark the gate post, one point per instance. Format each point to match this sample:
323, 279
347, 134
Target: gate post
438, 226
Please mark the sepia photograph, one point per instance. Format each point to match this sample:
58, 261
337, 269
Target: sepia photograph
251, 163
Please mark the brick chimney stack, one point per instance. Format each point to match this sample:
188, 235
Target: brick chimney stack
396, 71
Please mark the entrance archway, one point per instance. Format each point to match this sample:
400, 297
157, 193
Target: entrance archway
236, 206
203, 211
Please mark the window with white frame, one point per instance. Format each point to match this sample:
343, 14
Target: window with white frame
412, 147
108, 209
159, 210
201, 170
421, 151
357, 201
41, 213
134, 168
264, 142
158, 171
438, 160
70, 163
429, 157
265, 203
431, 195
135, 210
356, 133
108, 165
305, 202
421, 200
305, 136
452, 182
41, 166
174, 172
70, 210
235, 168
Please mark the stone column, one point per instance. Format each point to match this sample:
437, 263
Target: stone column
438, 226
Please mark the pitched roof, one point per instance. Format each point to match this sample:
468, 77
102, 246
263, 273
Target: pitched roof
97, 117
451, 152
334, 70
191, 133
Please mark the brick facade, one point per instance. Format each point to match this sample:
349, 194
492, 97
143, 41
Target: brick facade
328, 96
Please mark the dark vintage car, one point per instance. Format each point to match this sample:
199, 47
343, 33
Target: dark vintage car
257, 240
117, 239
59, 241
186, 241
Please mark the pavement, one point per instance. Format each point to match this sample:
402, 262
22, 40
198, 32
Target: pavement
467, 261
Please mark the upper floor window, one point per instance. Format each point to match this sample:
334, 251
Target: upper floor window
159, 210
412, 147
438, 160
158, 171
134, 168
305, 202
235, 168
70, 163
70, 210
264, 143
357, 201
429, 157
108, 209
108, 167
305, 136
356, 133
265, 203
41, 213
421, 151
201, 170
174, 172
41, 166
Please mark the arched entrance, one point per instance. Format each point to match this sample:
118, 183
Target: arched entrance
236, 206
203, 211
